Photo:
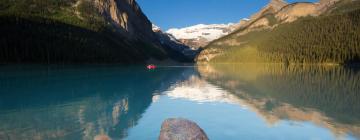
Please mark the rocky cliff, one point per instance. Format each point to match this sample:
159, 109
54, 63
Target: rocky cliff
271, 8
127, 17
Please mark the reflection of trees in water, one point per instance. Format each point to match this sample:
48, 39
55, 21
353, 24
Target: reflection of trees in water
77, 103
276, 89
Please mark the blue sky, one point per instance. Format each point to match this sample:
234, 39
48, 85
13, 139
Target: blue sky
181, 13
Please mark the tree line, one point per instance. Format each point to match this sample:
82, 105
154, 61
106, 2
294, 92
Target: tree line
329, 38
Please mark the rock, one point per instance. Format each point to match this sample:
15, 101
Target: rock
102, 137
294, 11
181, 129
271, 8
127, 17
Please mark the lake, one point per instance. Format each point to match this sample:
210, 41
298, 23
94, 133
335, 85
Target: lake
230, 102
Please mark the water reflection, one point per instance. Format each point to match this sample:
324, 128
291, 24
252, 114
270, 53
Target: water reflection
228, 102
324, 95
198, 90
71, 102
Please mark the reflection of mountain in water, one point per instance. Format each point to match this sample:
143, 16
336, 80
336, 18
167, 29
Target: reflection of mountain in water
74, 102
199, 90
327, 96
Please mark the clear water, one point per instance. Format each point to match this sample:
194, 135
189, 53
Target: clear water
248, 102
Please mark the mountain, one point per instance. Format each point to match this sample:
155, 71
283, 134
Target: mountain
200, 35
279, 12
323, 32
176, 49
76, 31
271, 8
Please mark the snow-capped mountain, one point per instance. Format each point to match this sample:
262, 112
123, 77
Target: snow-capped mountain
200, 35
178, 50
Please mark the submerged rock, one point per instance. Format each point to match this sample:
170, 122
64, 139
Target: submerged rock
102, 137
181, 129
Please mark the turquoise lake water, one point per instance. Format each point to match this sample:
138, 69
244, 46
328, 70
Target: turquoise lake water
230, 102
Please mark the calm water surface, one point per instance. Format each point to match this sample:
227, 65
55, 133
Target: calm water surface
249, 102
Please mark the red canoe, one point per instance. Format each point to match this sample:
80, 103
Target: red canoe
150, 67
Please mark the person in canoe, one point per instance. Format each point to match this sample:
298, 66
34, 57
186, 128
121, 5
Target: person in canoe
151, 66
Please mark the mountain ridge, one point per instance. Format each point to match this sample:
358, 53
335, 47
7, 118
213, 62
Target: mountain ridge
180, 52
257, 34
200, 35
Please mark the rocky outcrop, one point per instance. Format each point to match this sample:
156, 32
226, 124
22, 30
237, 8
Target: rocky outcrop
271, 8
102, 137
127, 17
324, 5
294, 11
181, 129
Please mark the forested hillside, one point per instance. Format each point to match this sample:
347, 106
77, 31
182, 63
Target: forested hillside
333, 37
67, 31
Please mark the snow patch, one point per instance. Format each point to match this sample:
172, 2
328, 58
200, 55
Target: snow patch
155, 28
203, 31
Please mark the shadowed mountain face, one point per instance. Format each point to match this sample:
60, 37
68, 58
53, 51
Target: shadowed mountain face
176, 50
326, 96
76, 31
73, 102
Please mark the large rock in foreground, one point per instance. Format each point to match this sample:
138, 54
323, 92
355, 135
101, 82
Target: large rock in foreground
181, 129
